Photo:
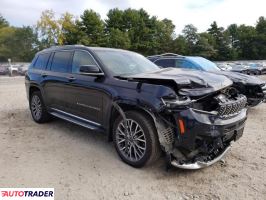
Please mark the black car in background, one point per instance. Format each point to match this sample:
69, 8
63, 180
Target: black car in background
257, 69
252, 87
144, 109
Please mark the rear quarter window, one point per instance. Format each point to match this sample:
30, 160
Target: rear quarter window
41, 61
61, 61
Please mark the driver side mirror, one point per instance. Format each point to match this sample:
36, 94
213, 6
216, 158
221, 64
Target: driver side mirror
90, 70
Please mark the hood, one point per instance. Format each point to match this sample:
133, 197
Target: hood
187, 82
243, 78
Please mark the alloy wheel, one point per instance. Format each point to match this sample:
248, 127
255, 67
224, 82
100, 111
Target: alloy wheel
131, 140
36, 107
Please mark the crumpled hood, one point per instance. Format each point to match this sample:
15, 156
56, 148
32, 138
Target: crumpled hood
188, 82
243, 78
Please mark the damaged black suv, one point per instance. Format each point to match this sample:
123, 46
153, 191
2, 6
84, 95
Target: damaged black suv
191, 116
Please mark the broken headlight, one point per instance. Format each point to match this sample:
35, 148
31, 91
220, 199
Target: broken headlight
172, 102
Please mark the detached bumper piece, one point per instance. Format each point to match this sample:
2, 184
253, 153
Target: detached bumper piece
200, 164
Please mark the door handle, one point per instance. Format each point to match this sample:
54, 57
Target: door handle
43, 75
71, 78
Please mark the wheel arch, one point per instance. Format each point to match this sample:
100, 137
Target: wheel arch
119, 108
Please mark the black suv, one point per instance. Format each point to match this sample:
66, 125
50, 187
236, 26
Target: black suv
192, 116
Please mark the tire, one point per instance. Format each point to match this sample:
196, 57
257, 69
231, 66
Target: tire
146, 132
38, 109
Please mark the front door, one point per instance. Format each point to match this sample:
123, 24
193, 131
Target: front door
84, 95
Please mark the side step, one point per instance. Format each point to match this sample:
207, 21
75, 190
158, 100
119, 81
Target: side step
76, 121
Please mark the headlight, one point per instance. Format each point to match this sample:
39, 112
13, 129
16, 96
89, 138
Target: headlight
175, 102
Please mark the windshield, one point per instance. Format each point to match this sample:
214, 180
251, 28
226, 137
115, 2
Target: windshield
121, 62
205, 64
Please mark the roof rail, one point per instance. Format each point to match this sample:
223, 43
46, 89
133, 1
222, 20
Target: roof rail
164, 54
59, 46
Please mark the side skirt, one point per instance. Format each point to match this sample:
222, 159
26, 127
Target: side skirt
76, 120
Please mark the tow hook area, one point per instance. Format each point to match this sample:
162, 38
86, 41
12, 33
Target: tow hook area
199, 164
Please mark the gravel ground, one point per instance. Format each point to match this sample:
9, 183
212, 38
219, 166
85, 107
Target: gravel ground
82, 165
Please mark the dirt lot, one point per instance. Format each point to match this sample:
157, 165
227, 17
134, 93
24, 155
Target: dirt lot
82, 165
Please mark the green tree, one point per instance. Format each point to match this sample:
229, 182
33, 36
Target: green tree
48, 29
19, 44
261, 37
91, 29
180, 46
3, 22
247, 42
118, 39
222, 42
70, 33
190, 33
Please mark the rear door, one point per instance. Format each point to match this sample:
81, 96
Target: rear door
56, 79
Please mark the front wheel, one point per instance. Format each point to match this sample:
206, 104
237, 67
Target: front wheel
136, 140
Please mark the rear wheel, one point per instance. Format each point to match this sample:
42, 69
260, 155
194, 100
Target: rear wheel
38, 109
136, 140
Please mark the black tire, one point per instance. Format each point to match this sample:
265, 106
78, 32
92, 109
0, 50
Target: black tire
36, 102
152, 151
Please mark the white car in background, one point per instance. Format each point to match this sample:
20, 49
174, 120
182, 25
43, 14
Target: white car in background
13, 69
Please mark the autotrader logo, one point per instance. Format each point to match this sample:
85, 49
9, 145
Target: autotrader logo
26, 193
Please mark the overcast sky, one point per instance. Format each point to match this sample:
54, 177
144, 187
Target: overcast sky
201, 13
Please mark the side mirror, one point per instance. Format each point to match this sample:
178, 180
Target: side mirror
90, 70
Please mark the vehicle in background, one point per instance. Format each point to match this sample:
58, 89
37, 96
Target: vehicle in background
4, 70
13, 70
144, 109
224, 66
257, 69
22, 69
240, 68
252, 87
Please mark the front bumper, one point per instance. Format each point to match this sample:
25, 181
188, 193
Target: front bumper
206, 140
200, 164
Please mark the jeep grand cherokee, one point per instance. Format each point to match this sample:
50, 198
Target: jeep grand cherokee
192, 116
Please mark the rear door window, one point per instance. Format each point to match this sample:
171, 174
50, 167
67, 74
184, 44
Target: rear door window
41, 61
61, 61
81, 58
165, 63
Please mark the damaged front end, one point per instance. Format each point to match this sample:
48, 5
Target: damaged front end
196, 132
199, 119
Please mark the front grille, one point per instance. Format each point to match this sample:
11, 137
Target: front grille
232, 107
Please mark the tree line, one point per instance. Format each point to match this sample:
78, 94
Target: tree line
134, 30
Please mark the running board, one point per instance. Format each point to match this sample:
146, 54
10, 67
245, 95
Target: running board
76, 121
